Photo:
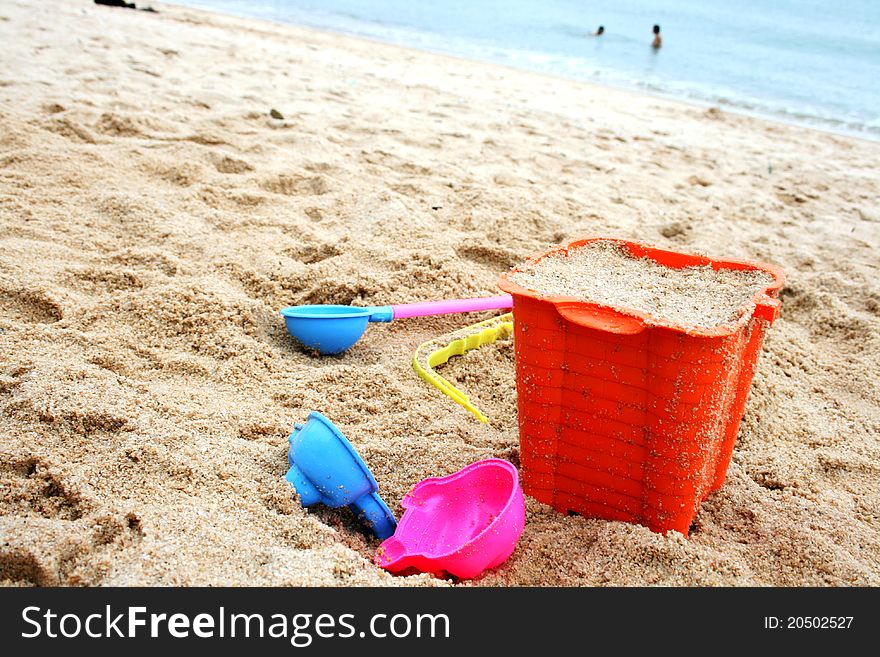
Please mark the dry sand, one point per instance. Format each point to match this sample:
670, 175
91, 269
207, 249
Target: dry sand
154, 217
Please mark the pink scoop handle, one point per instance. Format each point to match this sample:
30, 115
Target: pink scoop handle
425, 308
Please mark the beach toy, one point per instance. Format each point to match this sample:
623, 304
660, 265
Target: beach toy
627, 416
439, 350
333, 329
460, 524
325, 468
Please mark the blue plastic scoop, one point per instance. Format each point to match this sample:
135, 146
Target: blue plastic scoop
325, 468
333, 329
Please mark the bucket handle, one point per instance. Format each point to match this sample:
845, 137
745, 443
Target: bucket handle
601, 319
767, 308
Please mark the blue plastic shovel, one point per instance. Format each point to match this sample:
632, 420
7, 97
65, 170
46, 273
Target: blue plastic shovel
325, 468
333, 329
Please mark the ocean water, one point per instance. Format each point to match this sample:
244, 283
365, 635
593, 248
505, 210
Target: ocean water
813, 62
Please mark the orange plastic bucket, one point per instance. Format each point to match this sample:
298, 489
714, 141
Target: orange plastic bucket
627, 416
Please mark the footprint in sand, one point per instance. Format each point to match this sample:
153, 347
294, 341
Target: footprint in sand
184, 174
116, 125
409, 189
699, 181
34, 306
508, 180
315, 214
676, 230
11, 375
296, 185
50, 530
36, 490
227, 164
106, 279
53, 108
70, 130
311, 254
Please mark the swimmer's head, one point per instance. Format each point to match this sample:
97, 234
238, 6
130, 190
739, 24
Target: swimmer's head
601, 30
656, 29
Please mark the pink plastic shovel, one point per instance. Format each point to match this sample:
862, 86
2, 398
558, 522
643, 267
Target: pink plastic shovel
460, 524
333, 329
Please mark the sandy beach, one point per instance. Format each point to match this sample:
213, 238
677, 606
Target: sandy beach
155, 215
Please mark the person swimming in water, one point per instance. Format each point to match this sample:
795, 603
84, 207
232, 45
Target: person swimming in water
600, 31
658, 40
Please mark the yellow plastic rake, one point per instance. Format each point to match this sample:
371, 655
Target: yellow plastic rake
440, 349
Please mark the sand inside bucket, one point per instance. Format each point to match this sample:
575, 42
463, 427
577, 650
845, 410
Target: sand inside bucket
606, 273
